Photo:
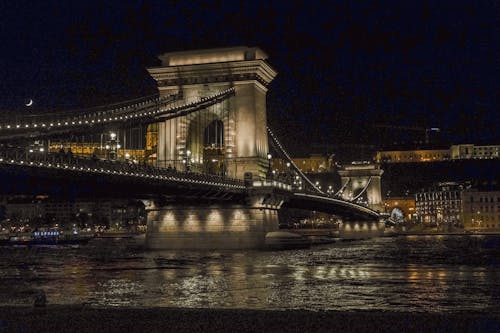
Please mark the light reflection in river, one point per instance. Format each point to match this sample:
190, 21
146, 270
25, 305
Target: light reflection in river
404, 273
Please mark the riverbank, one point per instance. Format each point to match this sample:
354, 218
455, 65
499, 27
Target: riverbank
60, 318
423, 233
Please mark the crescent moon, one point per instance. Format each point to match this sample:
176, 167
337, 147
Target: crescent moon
30, 102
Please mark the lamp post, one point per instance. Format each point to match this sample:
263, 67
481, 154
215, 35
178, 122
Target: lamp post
288, 173
330, 190
112, 146
269, 157
188, 160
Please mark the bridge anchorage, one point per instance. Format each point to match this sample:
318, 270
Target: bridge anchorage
197, 153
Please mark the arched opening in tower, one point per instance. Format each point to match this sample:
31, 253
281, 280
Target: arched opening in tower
213, 148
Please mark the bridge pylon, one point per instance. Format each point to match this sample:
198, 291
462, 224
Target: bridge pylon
231, 134
362, 180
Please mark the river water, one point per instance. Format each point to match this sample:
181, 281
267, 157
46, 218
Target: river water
412, 273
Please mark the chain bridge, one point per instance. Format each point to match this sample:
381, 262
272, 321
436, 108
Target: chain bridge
197, 153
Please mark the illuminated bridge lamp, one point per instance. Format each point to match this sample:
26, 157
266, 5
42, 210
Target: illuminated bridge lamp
269, 157
188, 160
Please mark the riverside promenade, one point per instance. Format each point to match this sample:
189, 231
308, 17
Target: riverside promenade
61, 318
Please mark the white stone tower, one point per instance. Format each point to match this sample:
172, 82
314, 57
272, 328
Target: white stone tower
243, 118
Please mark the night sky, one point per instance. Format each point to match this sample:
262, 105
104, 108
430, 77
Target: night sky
344, 67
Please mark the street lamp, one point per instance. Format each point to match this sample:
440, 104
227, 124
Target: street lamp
112, 145
188, 160
288, 173
269, 157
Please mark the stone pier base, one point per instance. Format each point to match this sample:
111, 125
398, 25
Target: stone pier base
209, 227
361, 229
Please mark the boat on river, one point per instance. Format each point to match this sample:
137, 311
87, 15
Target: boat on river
46, 238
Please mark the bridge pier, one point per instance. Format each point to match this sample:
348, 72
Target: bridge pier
221, 226
361, 229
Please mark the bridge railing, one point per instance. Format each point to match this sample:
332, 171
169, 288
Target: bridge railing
19, 156
271, 183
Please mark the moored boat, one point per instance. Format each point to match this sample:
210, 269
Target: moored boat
46, 238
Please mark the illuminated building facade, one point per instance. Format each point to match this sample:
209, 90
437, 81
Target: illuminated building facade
470, 151
481, 210
455, 152
95, 149
401, 209
316, 163
409, 156
440, 205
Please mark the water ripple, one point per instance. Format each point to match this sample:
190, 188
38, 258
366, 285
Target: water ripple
399, 274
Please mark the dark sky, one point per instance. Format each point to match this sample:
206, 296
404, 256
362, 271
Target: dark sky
344, 66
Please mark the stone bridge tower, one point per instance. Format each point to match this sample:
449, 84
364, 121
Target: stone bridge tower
358, 177
241, 143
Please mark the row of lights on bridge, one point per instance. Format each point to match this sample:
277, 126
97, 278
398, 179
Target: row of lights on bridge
124, 173
86, 122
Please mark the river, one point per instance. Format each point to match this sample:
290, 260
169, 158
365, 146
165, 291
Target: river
406, 273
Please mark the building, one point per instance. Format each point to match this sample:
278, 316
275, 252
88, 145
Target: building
315, 163
455, 152
22, 210
470, 151
440, 205
481, 209
59, 211
401, 209
43, 211
411, 156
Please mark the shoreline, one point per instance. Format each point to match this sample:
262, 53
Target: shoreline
410, 233
81, 318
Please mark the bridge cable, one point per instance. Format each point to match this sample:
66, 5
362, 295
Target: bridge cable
341, 190
289, 159
171, 112
363, 191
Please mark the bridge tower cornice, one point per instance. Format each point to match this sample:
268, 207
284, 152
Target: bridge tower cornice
238, 71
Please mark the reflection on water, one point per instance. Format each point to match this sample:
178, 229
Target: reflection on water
403, 273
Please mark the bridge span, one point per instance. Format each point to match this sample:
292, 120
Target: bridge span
203, 167
186, 210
